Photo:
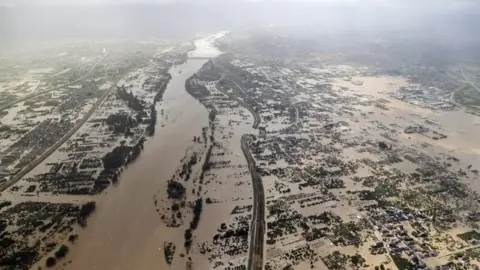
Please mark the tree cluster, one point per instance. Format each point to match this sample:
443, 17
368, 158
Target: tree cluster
175, 189
121, 123
131, 101
116, 158
85, 211
161, 86
136, 150
61, 252
197, 211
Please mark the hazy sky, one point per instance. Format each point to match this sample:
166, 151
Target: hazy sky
58, 19
434, 3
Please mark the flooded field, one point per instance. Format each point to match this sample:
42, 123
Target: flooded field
187, 161
126, 232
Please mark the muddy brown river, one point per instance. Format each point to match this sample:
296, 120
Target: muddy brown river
126, 232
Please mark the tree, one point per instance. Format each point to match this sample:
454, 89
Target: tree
197, 210
51, 261
84, 212
61, 252
116, 158
382, 145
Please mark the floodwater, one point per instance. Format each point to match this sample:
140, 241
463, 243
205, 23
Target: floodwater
126, 232
204, 46
12, 113
461, 128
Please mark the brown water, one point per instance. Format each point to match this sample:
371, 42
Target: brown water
126, 232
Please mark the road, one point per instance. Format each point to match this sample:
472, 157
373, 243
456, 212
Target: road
65, 138
459, 251
256, 116
257, 228
55, 88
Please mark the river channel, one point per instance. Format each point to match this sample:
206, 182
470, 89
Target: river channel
125, 232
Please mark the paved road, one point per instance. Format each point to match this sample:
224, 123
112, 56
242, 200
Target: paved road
6, 106
256, 116
65, 138
257, 228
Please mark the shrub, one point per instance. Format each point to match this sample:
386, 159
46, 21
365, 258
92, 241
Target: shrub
382, 145
72, 237
61, 252
85, 211
51, 261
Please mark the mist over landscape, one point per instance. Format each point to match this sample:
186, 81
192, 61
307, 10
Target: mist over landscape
37, 21
239, 134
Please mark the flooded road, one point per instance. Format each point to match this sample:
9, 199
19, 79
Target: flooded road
126, 232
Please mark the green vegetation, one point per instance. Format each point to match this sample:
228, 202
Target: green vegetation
382, 145
85, 211
175, 207
384, 189
346, 234
469, 236
61, 252
116, 158
121, 123
187, 167
212, 115
5, 204
51, 261
336, 260
72, 238
153, 121
168, 251
175, 190
357, 260
136, 150
400, 262
197, 210
132, 102
206, 164
188, 239
161, 86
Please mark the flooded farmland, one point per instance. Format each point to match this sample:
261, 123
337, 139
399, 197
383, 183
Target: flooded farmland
126, 232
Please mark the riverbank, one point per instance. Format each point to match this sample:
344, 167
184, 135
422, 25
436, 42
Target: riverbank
127, 230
